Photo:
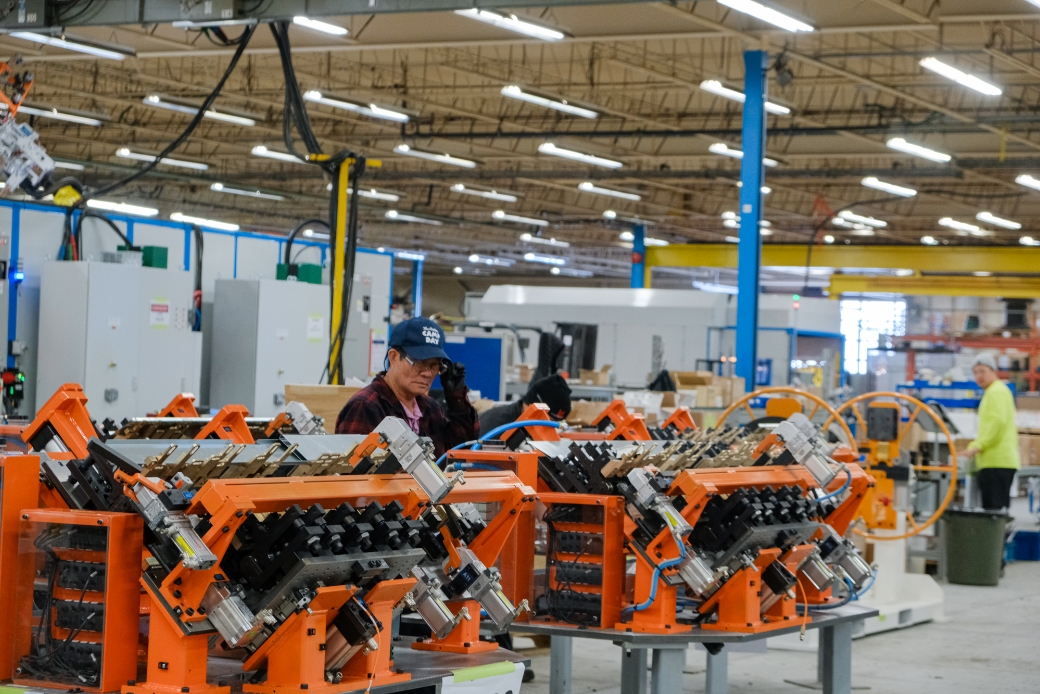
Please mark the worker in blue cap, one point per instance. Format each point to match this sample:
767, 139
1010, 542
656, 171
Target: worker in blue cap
415, 357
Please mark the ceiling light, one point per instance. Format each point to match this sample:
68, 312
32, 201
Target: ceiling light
68, 165
828, 239
865, 231
1028, 181
515, 92
929, 241
869, 221
489, 260
592, 188
571, 272
511, 22
173, 105
550, 148
262, 151
212, 224
981, 273
323, 27
902, 145
1028, 241
320, 236
991, 218
528, 238
962, 78
127, 154
727, 151
505, 217
627, 236
489, 194
399, 217
904, 273
731, 224
765, 232
434, 156
872, 182
732, 239
457, 270
766, 190
959, 226
101, 50
365, 109
651, 241
730, 215
766, 14
610, 214
123, 207
715, 87
544, 259
221, 188
59, 115
373, 194
189, 24
714, 288
409, 255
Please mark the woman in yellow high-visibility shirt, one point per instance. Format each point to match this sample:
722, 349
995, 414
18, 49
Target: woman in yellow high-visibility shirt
996, 446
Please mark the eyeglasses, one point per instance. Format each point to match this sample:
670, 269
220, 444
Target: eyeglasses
438, 366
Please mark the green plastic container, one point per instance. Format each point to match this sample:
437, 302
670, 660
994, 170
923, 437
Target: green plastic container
974, 546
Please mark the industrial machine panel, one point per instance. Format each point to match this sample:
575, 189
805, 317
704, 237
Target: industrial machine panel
368, 317
485, 363
233, 343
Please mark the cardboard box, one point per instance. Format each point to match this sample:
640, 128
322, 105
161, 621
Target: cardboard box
670, 399
584, 412
324, 401
588, 377
691, 379
1028, 402
709, 396
525, 373
1029, 449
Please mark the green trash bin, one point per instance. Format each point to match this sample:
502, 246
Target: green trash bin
974, 546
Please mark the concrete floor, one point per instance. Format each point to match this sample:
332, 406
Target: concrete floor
987, 643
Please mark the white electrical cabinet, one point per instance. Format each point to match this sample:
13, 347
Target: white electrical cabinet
266, 333
120, 331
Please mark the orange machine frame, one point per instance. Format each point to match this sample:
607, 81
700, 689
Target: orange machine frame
19, 490
66, 411
182, 405
229, 424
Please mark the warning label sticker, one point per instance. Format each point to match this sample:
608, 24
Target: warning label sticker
159, 315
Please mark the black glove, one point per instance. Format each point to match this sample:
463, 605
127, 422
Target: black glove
455, 377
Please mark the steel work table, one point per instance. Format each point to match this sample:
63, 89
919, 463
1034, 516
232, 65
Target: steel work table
669, 653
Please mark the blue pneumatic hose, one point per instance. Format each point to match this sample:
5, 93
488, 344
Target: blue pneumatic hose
475, 445
844, 487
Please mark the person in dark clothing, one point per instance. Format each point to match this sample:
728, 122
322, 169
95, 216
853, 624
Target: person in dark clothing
551, 390
414, 359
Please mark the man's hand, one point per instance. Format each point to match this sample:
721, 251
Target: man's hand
969, 452
455, 377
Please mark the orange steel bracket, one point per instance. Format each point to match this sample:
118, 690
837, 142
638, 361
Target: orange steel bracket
276, 424
182, 405
848, 511
66, 413
19, 82
739, 602
228, 424
681, 419
538, 412
19, 482
377, 667
369, 445
627, 426
465, 638
295, 653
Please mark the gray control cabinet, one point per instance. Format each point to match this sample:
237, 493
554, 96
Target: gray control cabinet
266, 333
120, 331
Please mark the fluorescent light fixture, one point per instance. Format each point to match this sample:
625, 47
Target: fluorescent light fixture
1028, 241
732, 239
1028, 181
544, 259
592, 188
101, 50
480, 193
489, 260
189, 24
221, 188
125, 153
399, 217
457, 270
929, 241
731, 223
515, 92
828, 239
730, 215
59, 115
434, 156
409, 255
869, 221
902, 145
865, 231
714, 288
627, 236
323, 27
319, 235
715, 87
212, 224
371, 110
962, 78
727, 151
766, 190
765, 232
610, 214
873, 182
529, 238
904, 273
981, 273
511, 22
767, 14
171, 105
550, 148
571, 272
373, 194
122, 207
262, 151
68, 165
960, 226
651, 241
991, 218
503, 216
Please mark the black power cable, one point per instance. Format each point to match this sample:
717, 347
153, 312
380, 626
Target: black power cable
287, 256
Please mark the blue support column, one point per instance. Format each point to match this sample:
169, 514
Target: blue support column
749, 251
417, 266
638, 256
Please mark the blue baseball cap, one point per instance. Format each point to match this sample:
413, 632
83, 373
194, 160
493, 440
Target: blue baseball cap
419, 338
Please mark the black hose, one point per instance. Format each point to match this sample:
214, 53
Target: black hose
296, 230
197, 294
